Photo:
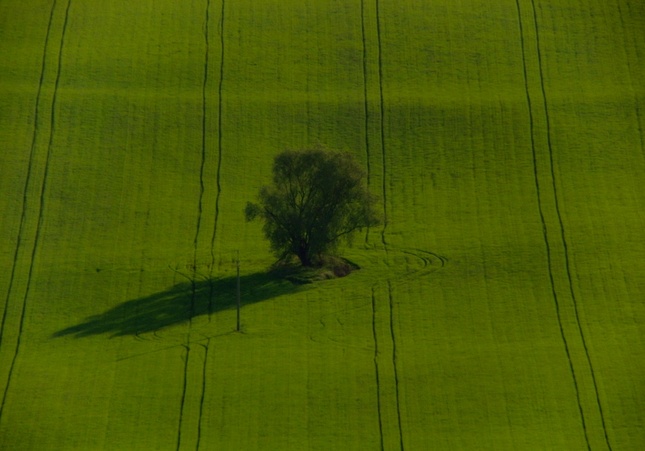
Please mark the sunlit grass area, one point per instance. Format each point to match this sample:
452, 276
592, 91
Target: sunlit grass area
498, 306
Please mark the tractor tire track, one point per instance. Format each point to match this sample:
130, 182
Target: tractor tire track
540, 202
200, 206
562, 229
187, 427
204, 152
193, 394
220, 89
425, 258
430, 263
183, 395
394, 364
42, 192
366, 112
560, 233
382, 123
203, 395
383, 343
385, 357
189, 432
30, 169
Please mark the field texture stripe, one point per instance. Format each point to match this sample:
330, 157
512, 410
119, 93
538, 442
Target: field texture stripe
562, 229
561, 240
630, 71
41, 207
376, 370
28, 176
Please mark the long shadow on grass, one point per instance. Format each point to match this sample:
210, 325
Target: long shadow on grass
180, 303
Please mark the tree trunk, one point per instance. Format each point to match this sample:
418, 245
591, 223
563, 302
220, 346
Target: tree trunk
303, 255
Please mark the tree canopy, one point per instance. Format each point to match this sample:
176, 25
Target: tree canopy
317, 198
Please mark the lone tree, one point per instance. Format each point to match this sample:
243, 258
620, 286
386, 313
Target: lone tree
317, 198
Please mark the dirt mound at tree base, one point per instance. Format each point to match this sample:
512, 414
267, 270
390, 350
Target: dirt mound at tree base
329, 267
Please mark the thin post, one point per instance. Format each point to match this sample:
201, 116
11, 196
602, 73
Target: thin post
239, 301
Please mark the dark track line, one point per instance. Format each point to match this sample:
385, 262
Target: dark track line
203, 395
562, 228
394, 365
365, 106
376, 370
219, 131
41, 209
29, 172
186, 345
183, 395
204, 152
545, 234
382, 119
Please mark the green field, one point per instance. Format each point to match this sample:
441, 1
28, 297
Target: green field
499, 306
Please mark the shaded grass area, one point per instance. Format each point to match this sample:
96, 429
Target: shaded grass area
180, 303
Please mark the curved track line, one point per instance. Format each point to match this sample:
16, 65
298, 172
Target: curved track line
426, 257
41, 208
430, 262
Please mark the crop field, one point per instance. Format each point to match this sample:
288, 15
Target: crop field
500, 305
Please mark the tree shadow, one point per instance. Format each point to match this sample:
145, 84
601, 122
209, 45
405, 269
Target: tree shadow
179, 304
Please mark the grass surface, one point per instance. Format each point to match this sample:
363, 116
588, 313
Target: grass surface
498, 307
